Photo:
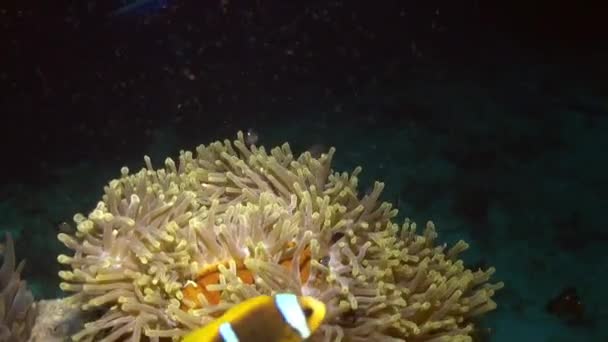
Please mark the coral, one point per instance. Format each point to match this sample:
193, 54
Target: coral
17, 308
57, 320
168, 249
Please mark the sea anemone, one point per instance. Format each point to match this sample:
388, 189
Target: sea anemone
167, 250
17, 308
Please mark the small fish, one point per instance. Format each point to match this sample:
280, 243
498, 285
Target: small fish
252, 137
567, 306
317, 150
140, 6
66, 228
283, 317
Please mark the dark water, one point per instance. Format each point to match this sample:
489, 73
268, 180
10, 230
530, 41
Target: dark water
489, 118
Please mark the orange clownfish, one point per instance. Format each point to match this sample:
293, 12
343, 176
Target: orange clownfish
283, 317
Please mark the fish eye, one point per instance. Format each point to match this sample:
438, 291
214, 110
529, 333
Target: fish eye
307, 312
324, 261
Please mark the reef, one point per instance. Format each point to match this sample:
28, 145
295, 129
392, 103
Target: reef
168, 249
17, 307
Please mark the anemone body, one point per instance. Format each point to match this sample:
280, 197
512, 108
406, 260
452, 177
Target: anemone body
167, 250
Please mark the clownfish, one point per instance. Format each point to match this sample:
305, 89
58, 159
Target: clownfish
283, 317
